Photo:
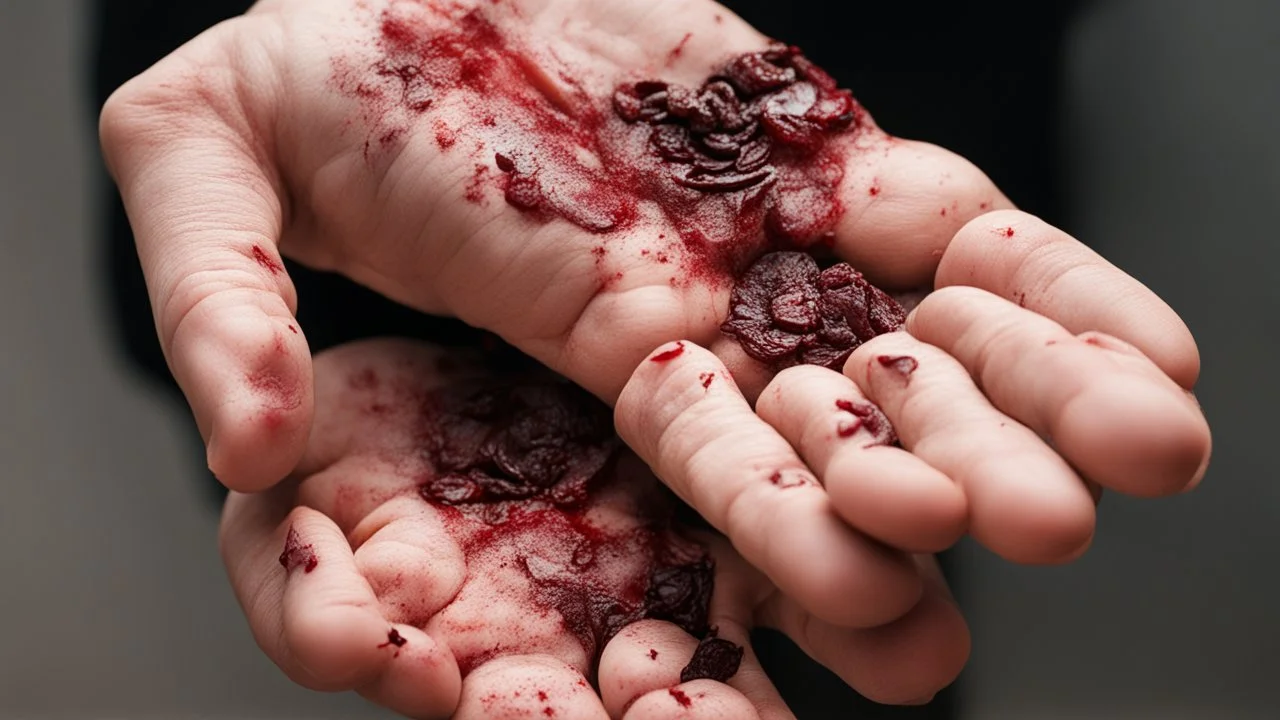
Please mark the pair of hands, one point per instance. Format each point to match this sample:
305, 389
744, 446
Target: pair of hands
1042, 370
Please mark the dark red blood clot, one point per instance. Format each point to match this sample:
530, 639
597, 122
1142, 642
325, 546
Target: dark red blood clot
296, 554
516, 462
785, 311
394, 638
715, 659
681, 697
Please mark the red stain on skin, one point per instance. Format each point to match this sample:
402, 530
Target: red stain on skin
874, 190
866, 416
984, 206
681, 697
1007, 232
276, 393
293, 329
1022, 300
678, 50
669, 355
903, 365
512, 470
549, 711
653, 654
707, 378
745, 160
261, 257
296, 554
542, 695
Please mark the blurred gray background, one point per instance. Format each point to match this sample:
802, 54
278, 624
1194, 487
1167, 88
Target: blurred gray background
112, 599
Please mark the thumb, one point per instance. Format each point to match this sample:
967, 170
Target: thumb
206, 211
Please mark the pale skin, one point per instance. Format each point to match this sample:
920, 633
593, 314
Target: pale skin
384, 560
1043, 371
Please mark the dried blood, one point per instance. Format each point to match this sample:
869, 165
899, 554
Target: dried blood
296, 554
515, 464
715, 659
785, 311
740, 162
866, 417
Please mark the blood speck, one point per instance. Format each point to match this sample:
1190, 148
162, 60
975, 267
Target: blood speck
669, 355
680, 697
943, 212
719, 18
1007, 232
785, 311
903, 365
1051, 343
874, 190
784, 481
599, 252
542, 695
296, 554
277, 394
1022, 300
707, 378
984, 206
678, 50
293, 329
1094, 341
653, 654
261, 257
394, 638
549, 711
715, 659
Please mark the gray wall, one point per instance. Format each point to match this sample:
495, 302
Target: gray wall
112, 601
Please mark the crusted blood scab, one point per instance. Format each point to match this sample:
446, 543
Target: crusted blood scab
865, 417
785, 311
296, 554
903, 365
518, 462
714, 659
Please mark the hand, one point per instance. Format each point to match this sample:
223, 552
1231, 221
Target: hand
431, 155
495, 610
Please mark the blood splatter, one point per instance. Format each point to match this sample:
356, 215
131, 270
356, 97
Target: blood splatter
743, 161
261, 257
653, 654
680, 697
296, 554
394, 639
784, 311
669, 355
706, 379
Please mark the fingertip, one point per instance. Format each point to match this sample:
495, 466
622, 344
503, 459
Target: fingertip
1026, 523
421, 678
250, 386
904, 502
1163, 455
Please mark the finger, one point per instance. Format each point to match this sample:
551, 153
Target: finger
1023, 259
884, 491
905, 662
413, 564
1025, 502
700, 700
703, 441
903, 203
1109, 411
206, 212
317, 618
528, 686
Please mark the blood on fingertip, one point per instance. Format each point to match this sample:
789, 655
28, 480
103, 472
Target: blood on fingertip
680, 697
261, 257
903, 365
668, 355
296, 554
